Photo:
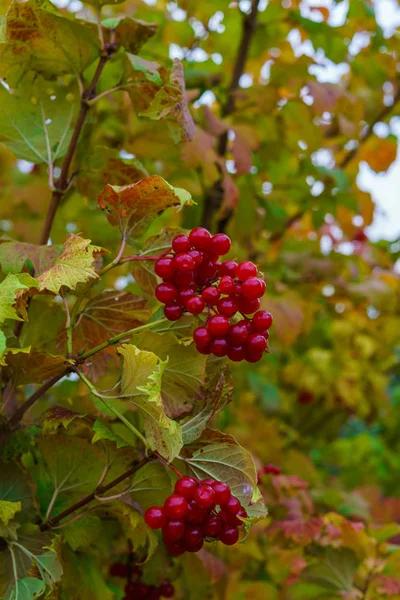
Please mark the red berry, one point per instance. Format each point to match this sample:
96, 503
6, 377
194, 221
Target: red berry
155, 517
167, 589
136, 589
263, 285
195, 514
236, 353
248, 305
193, 546
219, 347
184, 295
206, 272
256, 343
195, 305
220, 244
232, 506
200, 238
204, 496
193, 534
119, 570
176, 548
229, 535
252, 357
234, 520
197, 257
184, 280
228, 268
166, 293
212, 526
238, 334
184, 263
305, 397
226, 285
204, 349
227, 306
210, 295
180, 243
222, 492
186, 486
252, 288
173, 530
165, 267
173, 312
208, 481
153, 593
262, 320
245, 270
175, 506
202, 337
271, 470
218, 326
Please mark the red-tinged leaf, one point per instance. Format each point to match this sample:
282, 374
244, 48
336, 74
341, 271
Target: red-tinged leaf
34, 367
170, 104
129, 33
241, 154
74, 265
132, 207
58, 416
387, 585
302, 531
15, 256
230, 194
214, 125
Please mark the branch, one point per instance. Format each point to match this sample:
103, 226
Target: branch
61, 185
213, 199
92, 496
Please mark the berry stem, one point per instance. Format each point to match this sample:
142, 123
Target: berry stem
167, 464
140, 257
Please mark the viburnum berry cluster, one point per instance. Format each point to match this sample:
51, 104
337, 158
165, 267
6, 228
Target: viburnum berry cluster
197, 511
194, 279
135, 589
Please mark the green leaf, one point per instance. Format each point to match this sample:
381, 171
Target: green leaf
8, 510
84, 533
35, 366
152, 484
141, 375
83, 578
335, 572
133, 207
14, 256
14, 487
27, 588
35, 36
102, 432
150, 70
36, 120
171, 105
129, 33
74, 265
8, 295
58, 416
144, 541
3, 345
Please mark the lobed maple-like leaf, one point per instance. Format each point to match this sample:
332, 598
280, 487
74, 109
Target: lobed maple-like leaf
9, 288
132, 207
74, 265
130, 34
34, 366
14, 256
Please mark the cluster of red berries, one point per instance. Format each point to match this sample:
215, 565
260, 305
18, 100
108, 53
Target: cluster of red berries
194, 279
198, 510
135, 589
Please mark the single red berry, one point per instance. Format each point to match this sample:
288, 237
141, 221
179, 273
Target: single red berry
193, 534
234, 520
184, 280
195, 305
248, 305
207, 481
184, 295
202, 337
155, 517
212, 526
176, 548
136, 589
204, 349
165, 267
238, 334
119, 570
173, 312
206, 272
263, 285
153, 593
227, 307
167, 589
228, 268
186, 487
232, 506
222, 492
218, 326
256, 343
166, 293
173, 530
226, 285
193, 546
252, 288
252, 357
197, 257
196, 514
184, 263
229, 535
210, 295
204, 496
262, 321
305, 397
180, 244
219, 347
235, 353
245, 270
220, 244
270, 469
200, 238
175, 506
